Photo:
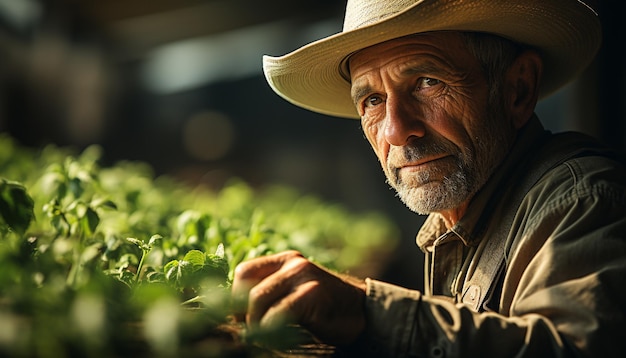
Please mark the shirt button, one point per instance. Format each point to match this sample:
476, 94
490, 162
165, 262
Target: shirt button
437, 352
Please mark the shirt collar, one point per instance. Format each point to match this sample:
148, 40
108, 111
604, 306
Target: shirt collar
470, 227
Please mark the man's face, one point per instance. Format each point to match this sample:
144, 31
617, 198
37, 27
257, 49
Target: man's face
425, 109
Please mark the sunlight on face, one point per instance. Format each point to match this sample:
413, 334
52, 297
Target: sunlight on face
425, 108
447, 185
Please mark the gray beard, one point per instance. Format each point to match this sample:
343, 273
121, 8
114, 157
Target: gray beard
436, 195
429, 191
470, 171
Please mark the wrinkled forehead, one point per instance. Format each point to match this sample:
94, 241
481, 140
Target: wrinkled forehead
437, 41
440, 49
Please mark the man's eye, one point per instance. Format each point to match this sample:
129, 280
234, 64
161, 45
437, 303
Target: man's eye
426, 82
372, 101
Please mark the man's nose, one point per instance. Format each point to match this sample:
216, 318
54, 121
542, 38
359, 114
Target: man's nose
403, 122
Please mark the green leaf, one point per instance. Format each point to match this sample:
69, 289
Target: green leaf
90, 221
135, 241
219, 264
103, 203
140, 243
154, 239
170, 269
195, 257
16, 206
126, 277
91, 252
219, 252
179, 272
76, 187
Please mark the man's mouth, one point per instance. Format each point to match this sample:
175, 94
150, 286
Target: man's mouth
422, 163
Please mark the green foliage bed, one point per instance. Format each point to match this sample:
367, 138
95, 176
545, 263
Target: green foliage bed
112, 261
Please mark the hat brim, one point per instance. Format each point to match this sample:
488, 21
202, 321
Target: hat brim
566, 32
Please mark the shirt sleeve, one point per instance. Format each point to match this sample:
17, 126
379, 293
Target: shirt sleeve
405, 323
390, 311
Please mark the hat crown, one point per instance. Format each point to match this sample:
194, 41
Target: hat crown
361, 13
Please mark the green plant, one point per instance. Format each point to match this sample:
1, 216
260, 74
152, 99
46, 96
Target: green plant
113, 261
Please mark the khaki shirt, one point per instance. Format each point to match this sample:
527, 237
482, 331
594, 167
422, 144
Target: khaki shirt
562, 292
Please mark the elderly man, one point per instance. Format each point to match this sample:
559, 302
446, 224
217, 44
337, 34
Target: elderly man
525, 242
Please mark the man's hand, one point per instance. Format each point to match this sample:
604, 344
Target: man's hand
286, 287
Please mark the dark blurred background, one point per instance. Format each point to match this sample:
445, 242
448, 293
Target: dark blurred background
178, 84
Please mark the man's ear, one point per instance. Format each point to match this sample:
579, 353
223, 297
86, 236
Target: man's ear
523, 79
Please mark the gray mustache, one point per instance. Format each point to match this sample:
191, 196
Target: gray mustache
425, 147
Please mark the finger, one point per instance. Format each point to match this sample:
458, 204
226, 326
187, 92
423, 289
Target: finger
264, 265
328, 306
249, 273
276, 287
291, 308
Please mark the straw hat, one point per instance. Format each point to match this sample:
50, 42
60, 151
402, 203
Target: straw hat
566, 32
